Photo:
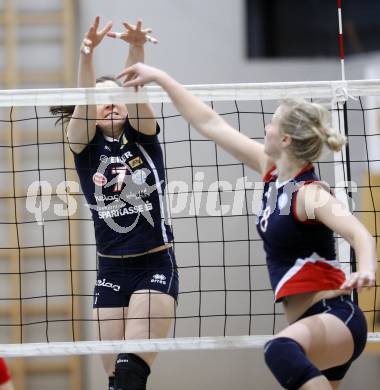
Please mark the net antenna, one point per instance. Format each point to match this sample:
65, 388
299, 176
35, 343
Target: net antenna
341, 41
338, 122
344, 185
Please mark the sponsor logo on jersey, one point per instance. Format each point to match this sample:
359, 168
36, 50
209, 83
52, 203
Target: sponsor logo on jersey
99, 179
131, 188
115, 159
109, 198
136, 162
158, 278
139, 177
110, 212
126, 196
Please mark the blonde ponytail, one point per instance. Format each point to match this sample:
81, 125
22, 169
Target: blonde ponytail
308, 126
334, 140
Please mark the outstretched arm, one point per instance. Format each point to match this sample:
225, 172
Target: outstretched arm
315, 202
141, 116
82, 125
201, 117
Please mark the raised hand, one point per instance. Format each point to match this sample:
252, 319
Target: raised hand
134, 35
93, 37
138, 75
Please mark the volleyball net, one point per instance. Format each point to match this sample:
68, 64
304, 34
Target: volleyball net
47, 247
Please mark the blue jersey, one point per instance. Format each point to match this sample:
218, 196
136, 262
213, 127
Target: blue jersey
124, 182
300, 255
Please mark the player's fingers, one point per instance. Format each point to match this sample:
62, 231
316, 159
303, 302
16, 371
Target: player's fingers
106, 29
349, 283
111, 34
126, 72
96, 23
134, 81
128, 26
117, 35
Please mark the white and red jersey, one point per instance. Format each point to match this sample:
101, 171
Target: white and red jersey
301, 256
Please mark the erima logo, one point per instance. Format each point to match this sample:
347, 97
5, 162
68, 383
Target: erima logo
104, 283
158, 278
122, 361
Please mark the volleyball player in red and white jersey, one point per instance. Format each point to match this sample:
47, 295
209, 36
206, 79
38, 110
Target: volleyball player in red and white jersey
326, 330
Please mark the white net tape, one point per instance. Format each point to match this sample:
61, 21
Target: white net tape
134, 346
331, 90
140, 346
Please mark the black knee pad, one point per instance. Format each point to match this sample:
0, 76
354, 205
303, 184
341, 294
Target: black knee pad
288, 363
111, 383
131, 372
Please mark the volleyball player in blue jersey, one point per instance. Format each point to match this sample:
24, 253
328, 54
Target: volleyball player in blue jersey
120, 165
326, 331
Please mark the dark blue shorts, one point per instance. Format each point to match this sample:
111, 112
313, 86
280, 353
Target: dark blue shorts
119, 278
343, 308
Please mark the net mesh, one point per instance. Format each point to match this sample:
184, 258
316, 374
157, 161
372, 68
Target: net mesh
47, 247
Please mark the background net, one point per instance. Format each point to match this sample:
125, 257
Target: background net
47, 250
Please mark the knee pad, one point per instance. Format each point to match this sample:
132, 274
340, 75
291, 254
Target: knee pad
288, 363
131, 372
111, 383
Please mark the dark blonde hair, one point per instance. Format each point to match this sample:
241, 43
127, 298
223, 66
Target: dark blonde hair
308, 124
64, 113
